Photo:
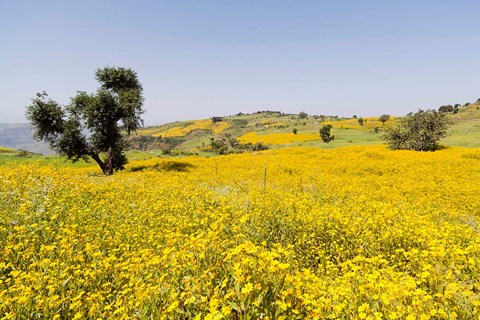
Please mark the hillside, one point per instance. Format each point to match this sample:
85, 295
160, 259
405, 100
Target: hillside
19, 136
275, 129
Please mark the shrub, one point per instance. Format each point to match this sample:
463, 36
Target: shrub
241, 123
167, 151
448, 108
361, 121
420, 131
224, 144
303, 115
216, 119
295, 131
24, 154
325, 133
384, 118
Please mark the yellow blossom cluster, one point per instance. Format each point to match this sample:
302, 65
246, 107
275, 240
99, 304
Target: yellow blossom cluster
277, 138
369, 123
272, 123
296, 233
206, 124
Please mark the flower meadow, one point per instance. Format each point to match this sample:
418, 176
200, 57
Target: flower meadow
296, 233
277, 138
206, 124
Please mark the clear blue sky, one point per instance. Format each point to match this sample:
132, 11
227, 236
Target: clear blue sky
198, 59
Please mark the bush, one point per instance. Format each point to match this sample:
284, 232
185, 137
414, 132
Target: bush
325, 133
24, 154
294, 130
216, 119
447, 108
360, 121
420, 131
225, 144
384, 118
241, 123
303, 115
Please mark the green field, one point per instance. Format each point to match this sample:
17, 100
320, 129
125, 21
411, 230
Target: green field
464, 132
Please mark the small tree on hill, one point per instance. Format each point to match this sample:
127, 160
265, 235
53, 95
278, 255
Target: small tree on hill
447, 108
325, 133
456, 107
223, 144
420, 131
303, 115
384, 118
91, 125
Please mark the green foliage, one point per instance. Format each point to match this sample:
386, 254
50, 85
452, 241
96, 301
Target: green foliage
241, 123
361, 121
325, 133
420, 131
225, 144
303, 115
450, 108
167, 152
176, 166
294, 130
216, 119
24, 154
92, 124
384, 118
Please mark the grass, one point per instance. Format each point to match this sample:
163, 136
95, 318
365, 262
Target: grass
466, 128
267, 126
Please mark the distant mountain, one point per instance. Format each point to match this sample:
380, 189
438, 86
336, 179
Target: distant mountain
19, 136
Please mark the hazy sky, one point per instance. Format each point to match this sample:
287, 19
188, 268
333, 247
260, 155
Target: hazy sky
202, 58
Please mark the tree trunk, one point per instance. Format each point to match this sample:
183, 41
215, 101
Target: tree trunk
101, 164
109, 161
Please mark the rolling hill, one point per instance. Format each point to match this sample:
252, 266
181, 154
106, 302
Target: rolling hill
273, 129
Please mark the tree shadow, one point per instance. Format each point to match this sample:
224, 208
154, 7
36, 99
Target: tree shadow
164, 166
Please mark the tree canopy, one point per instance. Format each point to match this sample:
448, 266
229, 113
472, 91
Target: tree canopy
325, 133
92, 125
384, 118
420, 131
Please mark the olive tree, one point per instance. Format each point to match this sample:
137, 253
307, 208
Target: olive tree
92, 125
303, 115
420, 131
325, 133
384, 118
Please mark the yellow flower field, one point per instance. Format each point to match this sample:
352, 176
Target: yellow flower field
217, 127
370, 123
277, 138
299, 233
